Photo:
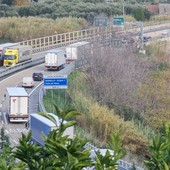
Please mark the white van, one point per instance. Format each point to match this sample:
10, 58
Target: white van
27, 82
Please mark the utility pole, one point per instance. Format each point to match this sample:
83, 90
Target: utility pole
141, 37
141, 27
123, 10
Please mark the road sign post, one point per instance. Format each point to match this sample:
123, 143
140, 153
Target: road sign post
100, 21
118, 21
55, 82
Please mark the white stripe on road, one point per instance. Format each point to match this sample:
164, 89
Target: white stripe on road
15, 141
7, 131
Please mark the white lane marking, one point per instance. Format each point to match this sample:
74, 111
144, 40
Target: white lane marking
15, 141
5, 118
18, 130
12, 130
7, 131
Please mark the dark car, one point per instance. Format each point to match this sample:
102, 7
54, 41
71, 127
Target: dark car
37, 76
146, 38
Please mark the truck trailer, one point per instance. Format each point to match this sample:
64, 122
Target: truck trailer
3, 47
17, 103
39, 124
77, 50
17, 54
55, 59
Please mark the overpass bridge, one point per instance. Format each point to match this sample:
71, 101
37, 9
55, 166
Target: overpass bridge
92, 34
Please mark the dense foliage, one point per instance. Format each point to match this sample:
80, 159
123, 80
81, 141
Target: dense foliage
17, 29
78, 8
60, 152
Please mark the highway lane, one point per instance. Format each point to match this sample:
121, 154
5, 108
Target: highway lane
14, 130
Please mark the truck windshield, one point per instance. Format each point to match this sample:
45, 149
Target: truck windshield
9, 57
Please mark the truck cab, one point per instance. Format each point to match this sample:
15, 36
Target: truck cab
10, 57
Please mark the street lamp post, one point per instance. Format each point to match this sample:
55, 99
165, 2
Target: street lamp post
123, 6
141, 37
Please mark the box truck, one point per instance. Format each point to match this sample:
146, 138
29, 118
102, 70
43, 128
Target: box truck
39, 124
77, 51
3, 47
17, 103
16, 54
55, 59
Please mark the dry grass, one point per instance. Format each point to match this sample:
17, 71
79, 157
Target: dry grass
160, 51
129, 18
101, 122
25, 28
160, 18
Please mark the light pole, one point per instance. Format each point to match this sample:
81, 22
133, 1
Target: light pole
141, 37
123, 10
141, 25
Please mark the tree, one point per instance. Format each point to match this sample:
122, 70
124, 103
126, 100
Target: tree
7, 160
4, 140
110, 160
7, 2
62, 153
33, 156
63, 116
59, 151
139, 14
21, 2
160, 151
147, 14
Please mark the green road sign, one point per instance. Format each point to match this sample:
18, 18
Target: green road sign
119, 21
100, 21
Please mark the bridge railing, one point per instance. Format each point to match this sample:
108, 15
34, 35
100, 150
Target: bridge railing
20, 66
58, 40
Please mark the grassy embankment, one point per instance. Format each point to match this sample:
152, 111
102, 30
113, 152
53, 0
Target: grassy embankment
15, 29
97, 120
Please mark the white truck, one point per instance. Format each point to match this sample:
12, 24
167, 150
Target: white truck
55, 59
39, 124
77, 50
3, 47
17, 103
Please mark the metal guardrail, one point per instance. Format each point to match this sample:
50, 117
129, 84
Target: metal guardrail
121, 163
59, 40
41, 104
21, 66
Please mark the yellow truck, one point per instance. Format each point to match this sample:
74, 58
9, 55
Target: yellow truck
17, 54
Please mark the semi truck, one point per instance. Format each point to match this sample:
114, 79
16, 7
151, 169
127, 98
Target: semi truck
39, 124
77, 50
55, 59
17, 104
3, 47
17, 54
